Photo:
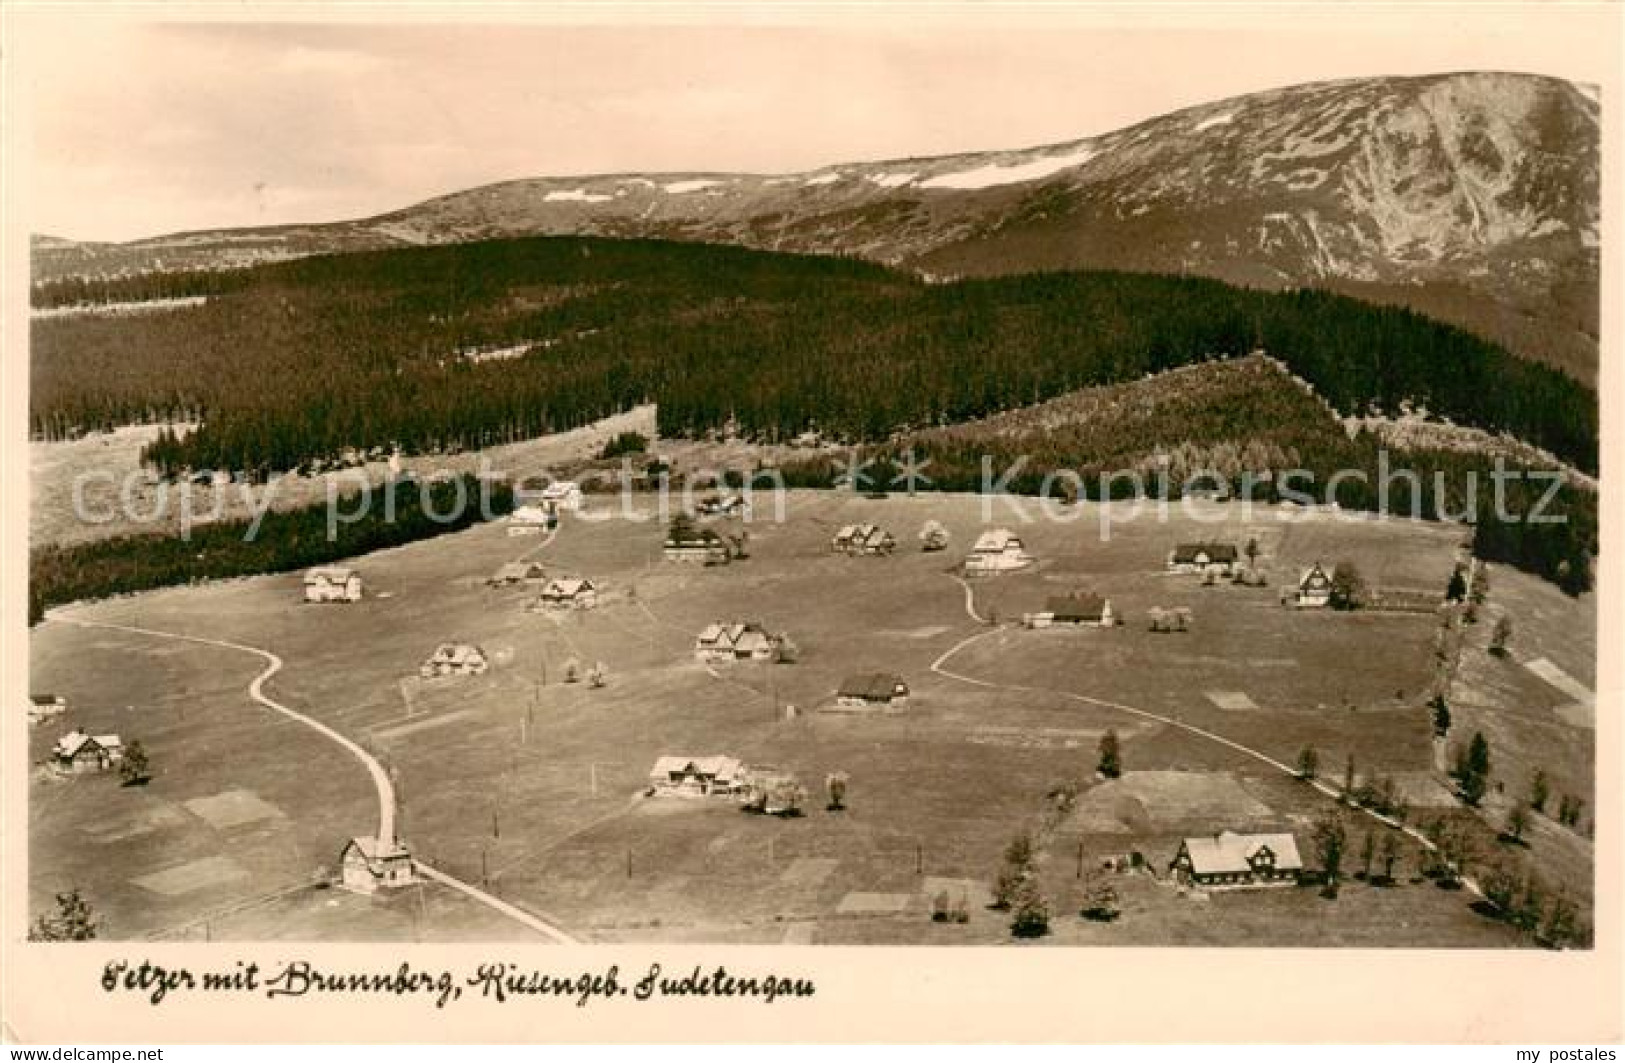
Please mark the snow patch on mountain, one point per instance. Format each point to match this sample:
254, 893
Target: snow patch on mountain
891, 180
996, 174
575, 195
677, 188
1216, 120
823, 179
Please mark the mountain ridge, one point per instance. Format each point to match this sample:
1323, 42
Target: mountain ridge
1472, 197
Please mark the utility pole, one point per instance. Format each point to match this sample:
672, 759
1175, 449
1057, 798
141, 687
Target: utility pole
1080, 858
919, 859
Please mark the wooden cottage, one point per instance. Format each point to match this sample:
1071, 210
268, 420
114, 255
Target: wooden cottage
532, 520
1073, 610
1314, 589
562, 496
998, 550
696, 776
856, 540
1219, 558
687, 543
454, 658
871, 692
77, 752
722, 506
518, 573
369, 864
332, 583
735, 642
1237, 861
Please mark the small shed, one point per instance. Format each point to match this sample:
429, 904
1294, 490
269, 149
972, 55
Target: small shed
531, 520
863, 539
42, 707
332, 583
517, 573
747, 641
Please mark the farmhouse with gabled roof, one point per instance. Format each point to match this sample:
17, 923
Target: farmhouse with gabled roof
1221, 558
747, 641
685, 542
860, 539
568, 593
455, 658
513, 573
368, 864
1081, 609
1235, 861
42, 707
332, 583
532, 520
1314, 588
79, 752
871, 691
696, 776
998, 550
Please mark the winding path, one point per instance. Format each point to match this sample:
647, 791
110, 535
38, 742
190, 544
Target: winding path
380, 777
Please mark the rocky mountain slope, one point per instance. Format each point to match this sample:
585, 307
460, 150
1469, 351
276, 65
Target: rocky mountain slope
1470, 197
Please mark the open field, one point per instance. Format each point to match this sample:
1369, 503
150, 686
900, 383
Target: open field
531, 784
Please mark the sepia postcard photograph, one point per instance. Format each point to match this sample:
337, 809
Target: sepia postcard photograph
821, 489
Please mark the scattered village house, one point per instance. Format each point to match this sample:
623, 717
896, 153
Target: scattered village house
531, 520
368, 863
42, 707
878, 690
770, 791
856, 539
722, 506
79, 752
568, 594
735, 642
1234, 861
998, 550
697, 544
1314, 588
332, 583
514, 573
454, 658
1218, 558
696, 776
1076, 610
563, 496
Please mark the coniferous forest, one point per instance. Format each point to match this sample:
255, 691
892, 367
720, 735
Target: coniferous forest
464, 346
